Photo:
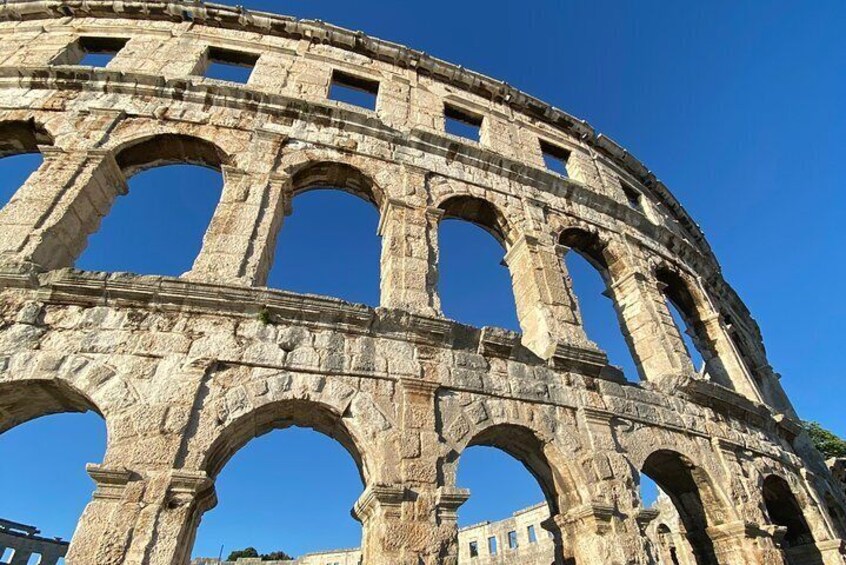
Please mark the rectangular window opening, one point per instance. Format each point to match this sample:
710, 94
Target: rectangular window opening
353, 90
512, 539
8, 555
633, 197
230, 65
492, 545
94, 51
533, 537
462, 123
555, 158
474, 549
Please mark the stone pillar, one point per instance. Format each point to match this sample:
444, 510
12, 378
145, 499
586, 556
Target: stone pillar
379, 509
140, 518
409, 262
104, 530
603, 530
727, 356
649, 328
240, 242
448, 501
587, 535
742, 542
548, 317
48, 221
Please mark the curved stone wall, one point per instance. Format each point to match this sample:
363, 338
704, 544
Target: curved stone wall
186, 370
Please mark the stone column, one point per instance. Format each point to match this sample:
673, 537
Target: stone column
727, 356
587, 535
379, 509
448, 501
104, 530
743, 542
48, 221
603, 530
548, 317
140, 518
649, 328
409, 263
240, 242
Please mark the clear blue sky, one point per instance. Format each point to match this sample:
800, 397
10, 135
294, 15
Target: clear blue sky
738, 107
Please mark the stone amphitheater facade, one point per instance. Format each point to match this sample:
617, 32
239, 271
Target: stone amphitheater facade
185, 371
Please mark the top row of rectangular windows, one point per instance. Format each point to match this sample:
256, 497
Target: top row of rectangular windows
237, 66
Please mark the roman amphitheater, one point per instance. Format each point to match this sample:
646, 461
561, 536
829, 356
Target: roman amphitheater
187, 370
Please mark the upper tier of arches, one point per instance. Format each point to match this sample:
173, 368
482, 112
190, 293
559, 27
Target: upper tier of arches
229, 39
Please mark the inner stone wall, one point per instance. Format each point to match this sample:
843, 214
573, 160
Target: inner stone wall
187, 370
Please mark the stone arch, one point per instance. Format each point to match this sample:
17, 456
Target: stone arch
785, 511
609, 262
370, 179
162, 149
691, 305
598, 251
240, 404
480, 212
694, 495
327, 171
336, 175
319, 416
22, 136
24, 400
539, 441
27, 399
542, 453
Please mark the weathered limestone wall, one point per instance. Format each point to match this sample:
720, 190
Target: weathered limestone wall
186, 370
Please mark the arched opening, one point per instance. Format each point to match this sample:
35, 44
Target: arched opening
20, 155
693, 497
688, 321
157, 227
474, 285
587, 264
286, 477
513, 495
329, 244
796, 541
667, 544
48, 433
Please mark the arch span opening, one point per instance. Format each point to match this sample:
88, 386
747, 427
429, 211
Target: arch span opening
329, 245
515, 491
587, 266
795, 537
287, 492
474, 284
174, 183
20, 155
290, 473
696, 506
48, 434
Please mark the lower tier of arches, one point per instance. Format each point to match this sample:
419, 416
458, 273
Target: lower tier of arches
183, 386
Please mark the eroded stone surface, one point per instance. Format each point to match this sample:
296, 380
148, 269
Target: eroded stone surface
186, 370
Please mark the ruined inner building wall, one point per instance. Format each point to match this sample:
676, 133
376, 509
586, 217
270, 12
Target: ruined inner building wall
187, 370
